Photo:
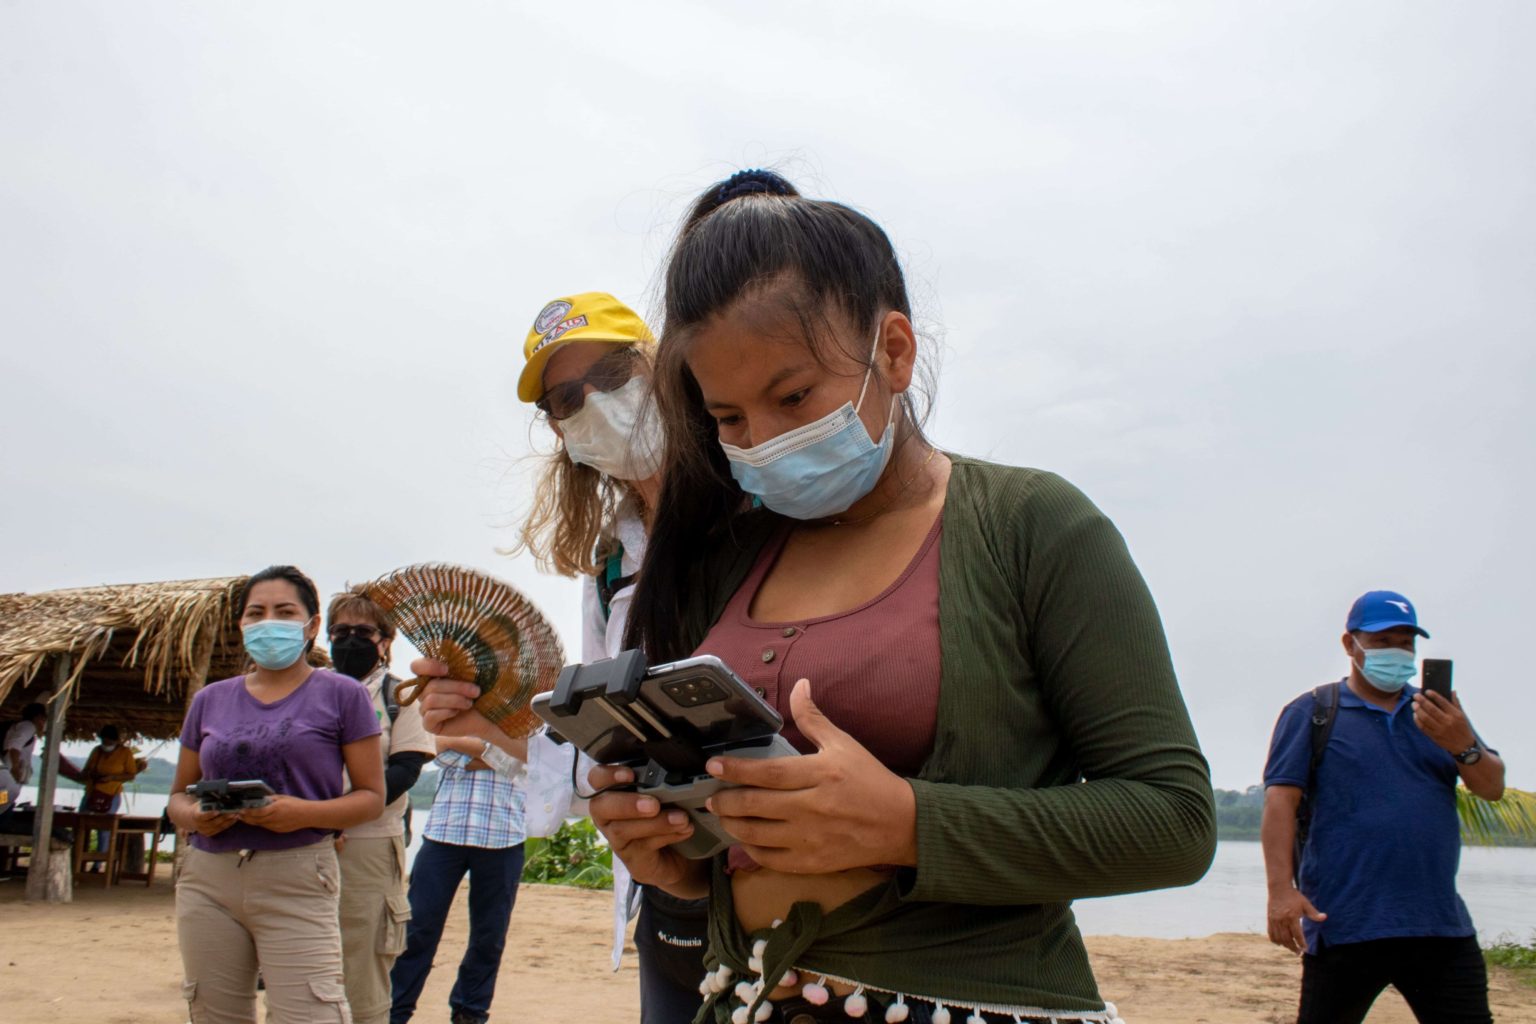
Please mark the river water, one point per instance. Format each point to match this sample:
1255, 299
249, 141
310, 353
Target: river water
1498, 884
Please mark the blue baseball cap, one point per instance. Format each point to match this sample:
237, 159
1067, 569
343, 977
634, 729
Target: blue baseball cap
1377, 610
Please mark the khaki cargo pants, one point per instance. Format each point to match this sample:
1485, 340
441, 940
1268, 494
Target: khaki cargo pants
272, 910
374, 912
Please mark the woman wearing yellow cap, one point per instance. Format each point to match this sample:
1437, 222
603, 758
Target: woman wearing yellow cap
588, 371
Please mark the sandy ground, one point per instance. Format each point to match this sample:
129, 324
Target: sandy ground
110, 958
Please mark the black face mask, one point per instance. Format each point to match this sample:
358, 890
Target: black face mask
355, 656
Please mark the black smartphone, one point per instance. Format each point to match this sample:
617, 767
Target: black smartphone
1437, 676
229, 796
619, 711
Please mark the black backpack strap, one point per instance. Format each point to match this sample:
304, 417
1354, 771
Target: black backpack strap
1325, 711
391, 702
610, 580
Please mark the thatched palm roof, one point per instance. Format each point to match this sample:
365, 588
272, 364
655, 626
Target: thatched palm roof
136, 650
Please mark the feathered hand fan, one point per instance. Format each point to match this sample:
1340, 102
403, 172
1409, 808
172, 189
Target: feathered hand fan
482, 629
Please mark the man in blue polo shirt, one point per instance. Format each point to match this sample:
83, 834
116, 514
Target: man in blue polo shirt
1375, 902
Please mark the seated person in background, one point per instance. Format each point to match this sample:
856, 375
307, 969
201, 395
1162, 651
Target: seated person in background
109, 766
19, 741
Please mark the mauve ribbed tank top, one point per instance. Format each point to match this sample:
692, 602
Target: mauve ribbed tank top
874, 669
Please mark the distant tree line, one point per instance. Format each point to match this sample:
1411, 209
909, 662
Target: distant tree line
1238, 814
1238, 811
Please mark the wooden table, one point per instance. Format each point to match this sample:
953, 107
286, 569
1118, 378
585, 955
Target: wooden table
82, 824
133, 829
118, 832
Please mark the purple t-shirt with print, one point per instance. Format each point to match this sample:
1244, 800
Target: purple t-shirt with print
293, 745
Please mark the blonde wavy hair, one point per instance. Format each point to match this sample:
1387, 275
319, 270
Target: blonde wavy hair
574, 507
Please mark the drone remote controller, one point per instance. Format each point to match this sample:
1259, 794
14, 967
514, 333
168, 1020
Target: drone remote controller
709, 836
666, 722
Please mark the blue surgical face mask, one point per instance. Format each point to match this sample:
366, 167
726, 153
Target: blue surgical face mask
274, 643
1387, 668
820, 469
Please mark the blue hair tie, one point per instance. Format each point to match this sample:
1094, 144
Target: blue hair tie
745, 183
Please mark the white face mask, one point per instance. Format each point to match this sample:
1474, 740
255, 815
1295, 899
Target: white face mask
109, 747
616, 432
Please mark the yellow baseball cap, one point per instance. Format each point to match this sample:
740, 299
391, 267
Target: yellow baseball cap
588, 317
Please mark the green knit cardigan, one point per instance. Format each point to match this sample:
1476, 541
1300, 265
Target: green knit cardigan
1064, 765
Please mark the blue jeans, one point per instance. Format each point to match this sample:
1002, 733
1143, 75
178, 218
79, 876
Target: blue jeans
97, 838
435, 878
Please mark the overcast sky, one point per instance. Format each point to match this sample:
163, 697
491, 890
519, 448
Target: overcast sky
1257, 277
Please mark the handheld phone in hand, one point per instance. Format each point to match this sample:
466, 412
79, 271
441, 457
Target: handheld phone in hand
665, 722
229, 797
1437, 676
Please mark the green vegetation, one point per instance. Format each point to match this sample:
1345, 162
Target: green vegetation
576, 855
1517, 959
1507, 822
154, 779
1238, 813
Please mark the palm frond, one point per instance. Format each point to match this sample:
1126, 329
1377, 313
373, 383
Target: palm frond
1508, 820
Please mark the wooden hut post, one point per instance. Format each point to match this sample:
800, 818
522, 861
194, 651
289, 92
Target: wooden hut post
42, 862
202, 662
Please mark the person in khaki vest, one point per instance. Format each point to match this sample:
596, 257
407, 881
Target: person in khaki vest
374, 907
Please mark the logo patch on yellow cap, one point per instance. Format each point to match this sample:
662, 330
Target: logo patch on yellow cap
559, 329
550, 315
587, 317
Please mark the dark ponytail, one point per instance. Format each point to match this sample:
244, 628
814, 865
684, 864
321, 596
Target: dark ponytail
752, 235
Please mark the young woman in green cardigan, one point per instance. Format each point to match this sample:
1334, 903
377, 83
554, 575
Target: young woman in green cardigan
964, 652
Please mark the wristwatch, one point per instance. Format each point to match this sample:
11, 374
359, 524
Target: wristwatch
1471, 755
500, 761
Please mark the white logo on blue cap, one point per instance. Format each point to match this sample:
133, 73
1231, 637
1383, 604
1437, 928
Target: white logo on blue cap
1403, 605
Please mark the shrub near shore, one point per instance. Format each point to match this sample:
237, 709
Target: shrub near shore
1519, 960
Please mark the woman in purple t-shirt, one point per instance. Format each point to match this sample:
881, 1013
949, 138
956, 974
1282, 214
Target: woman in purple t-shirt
258, 890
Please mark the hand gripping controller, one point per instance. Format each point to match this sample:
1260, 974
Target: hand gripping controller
709, 836
666, 721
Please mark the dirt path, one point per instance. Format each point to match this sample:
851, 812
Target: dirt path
111, 958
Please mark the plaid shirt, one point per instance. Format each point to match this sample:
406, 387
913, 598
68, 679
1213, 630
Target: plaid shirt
474, 808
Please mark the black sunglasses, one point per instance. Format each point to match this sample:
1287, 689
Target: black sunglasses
609, 373
361, 632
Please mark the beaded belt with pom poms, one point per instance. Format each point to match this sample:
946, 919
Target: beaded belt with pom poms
746, 996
